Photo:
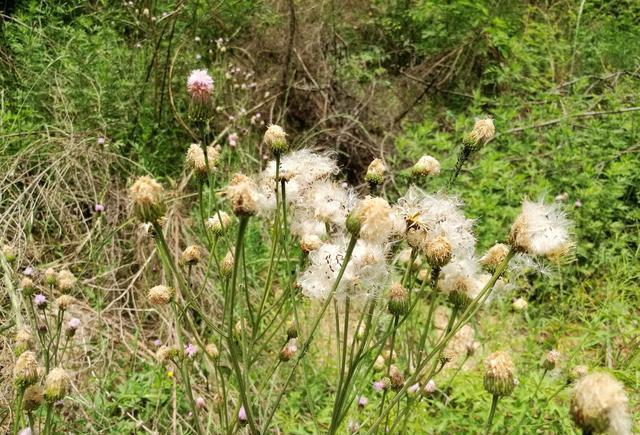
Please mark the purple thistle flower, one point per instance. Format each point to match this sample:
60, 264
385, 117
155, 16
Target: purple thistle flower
157, 342
40, 300
190, 350
28, 271
74, 323
378, 386
99, 208
362, 401
200, 402
413, 389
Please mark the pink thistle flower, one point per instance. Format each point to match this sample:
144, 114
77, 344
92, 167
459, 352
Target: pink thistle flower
40, 300
413, 389
362, 401
74, 323
242, 415
378, 386
101, 140
99, 208
200, 402
28, 271
233, 139
157, 342
200, 85
190, 350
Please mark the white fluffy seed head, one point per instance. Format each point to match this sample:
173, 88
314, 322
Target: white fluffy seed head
243, 195
541, 230
599, 404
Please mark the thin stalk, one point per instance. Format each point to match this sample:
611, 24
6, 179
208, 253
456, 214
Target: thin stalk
307, 344
494, 405
393, 340
18, 412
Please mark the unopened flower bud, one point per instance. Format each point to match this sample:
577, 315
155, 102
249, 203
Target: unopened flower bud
379, 364
50, 277
413, 390
200, 402
429, 388
65, 301
292, 330
520, 304
218, 223
226, 267
212, 350
27, 286
495, 256
23, 341
9, 253
397, 378
242, 416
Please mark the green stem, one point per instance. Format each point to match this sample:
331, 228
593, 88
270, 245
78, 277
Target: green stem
18, 415
494, 405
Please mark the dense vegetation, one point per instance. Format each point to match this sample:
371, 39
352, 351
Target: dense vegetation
92, 95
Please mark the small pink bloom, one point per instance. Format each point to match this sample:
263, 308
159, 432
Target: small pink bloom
200, 85
378, 386
413, 389
40, 300
99, 208
578, 203
157, 342
74, 323
430, 387
233, 139
362, 401
242, 414
28, 271
190, 350
200, 402
100, 140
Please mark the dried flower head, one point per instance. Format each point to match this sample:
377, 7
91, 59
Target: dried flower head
494, 256
65, 301
25, 372
50, 277
396, 377
289, 350
483, 131
379, 363
196, 159
375, 172
438, 251
218, 223
373, 220
599, 404
160, 295
56, 385
9, 253
397, 300
292, 329
212, 350
578, 372
191, 255
27, 286
541, 230
551, 359
66, 281
167, 353
520, 304
147, 198
226, 267
426, 166
243, 195
23, 341
499, 377
276, 139
310, 242
32, 398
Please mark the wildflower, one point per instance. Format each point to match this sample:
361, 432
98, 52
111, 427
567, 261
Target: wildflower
160, 295
25, 372
520, 304
56, 385
27, 286
65, 301
32, 398
200, 86
66, 281
157, 342
98, 208
396, 377
190, 350
373, 220
200, 402
243, 195
483, 131
429, 388
362, 402
28, 271
276, 139
413, 389
461, 281
9, 253
196, 159
147, 197
23, 341
72, 326
540, 230
289, 350
191, 255
242, 415
50, 277
353, 426
218, 223
398, 302
426, 166
40, 301
378, 386
232, 139
170, 374
499, 379
599, 404
495, 256
375, 173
